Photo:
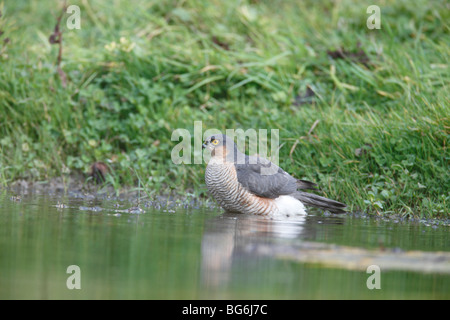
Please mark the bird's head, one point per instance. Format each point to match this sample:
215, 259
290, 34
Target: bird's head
219, 145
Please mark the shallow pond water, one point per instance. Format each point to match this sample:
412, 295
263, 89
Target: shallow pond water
184, 252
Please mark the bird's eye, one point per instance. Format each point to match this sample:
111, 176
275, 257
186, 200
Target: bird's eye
215, 142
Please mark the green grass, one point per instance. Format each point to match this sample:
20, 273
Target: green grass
137, 70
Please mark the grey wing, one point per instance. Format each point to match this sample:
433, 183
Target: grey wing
265, 179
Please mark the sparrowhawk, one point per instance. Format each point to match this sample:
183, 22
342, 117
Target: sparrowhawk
254, 185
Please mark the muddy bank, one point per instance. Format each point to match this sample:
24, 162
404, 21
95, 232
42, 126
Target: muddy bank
75, 185
78, 186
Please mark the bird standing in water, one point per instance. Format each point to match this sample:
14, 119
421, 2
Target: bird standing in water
254, 185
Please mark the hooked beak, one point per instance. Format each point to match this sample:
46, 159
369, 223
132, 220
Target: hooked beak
207, 145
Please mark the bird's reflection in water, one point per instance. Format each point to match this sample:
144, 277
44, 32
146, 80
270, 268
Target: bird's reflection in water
231, 236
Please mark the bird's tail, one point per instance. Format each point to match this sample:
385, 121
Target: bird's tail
314, 200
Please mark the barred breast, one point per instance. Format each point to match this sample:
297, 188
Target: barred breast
222, 183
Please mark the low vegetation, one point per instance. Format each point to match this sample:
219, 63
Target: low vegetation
363, 113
